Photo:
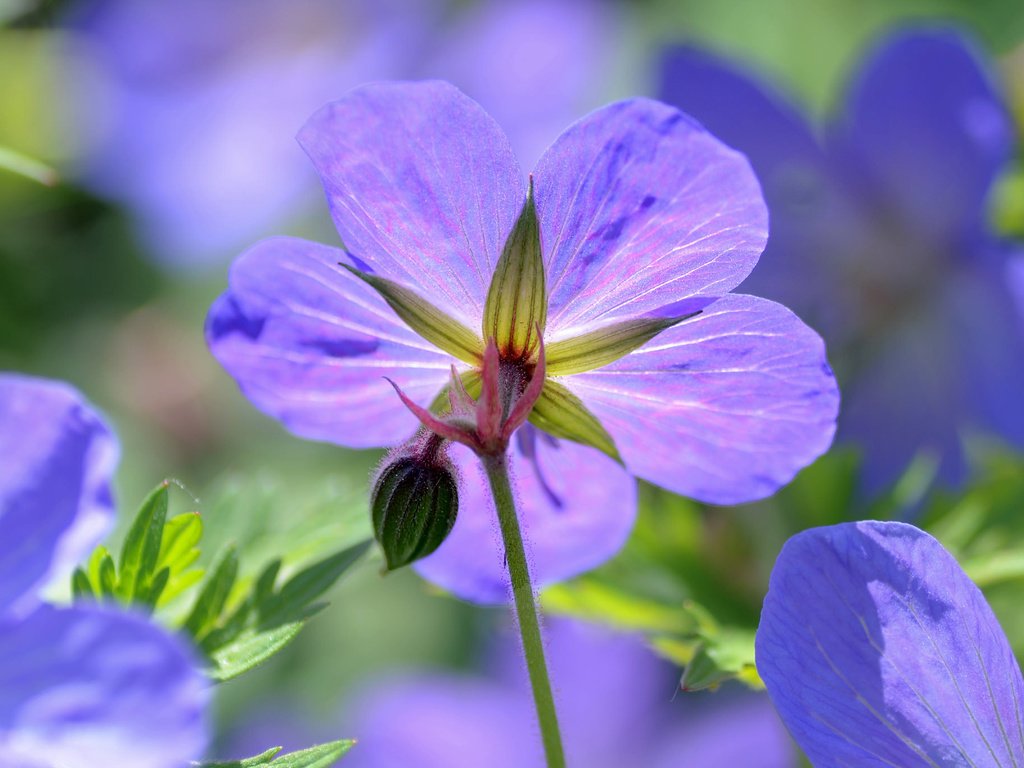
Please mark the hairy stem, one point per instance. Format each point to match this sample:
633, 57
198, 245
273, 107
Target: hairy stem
526, 608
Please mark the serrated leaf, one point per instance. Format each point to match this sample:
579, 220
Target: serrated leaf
178, 552
428, 321
561, 414
291, 602
250, 650
141, 548
321, 756
155, 588
213, 596
605, 345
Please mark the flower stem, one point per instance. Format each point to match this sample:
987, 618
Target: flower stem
526, 608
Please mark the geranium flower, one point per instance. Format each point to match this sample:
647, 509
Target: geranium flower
644, 219
878, 650
615, 702
881, 239
193, 103
86, 685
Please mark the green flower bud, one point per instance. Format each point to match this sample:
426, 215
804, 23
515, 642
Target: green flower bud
414, 502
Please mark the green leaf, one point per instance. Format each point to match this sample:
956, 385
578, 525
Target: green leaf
605, 345
321, 756
213, 596
81, 587
141, 548
178, 552
250, 650
298, 593
427, 320
517, 300
28, 167
561, 414
107, 576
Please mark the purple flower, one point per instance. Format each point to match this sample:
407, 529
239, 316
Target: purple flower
877, 649
880, 238
196, 101
87, 685
644, 218
615, 706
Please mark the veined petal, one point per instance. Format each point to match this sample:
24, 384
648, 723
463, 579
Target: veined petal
877, 649
926, 131
310, 344
83, 687
576, 507
797, 179
55, 477
422, 185
725, 407
641, 208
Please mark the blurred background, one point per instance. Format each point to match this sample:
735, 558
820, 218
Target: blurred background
145, 143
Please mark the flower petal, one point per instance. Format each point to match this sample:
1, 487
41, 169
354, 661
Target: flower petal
423, 187
795, 175
877, 649
310, 345
55, 495
959, 353
725, 407
641, 208
927, 131
83, 687
576, 508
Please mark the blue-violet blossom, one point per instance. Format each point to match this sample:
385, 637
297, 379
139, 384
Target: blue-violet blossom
880, 239
878, 650
86, 685
643, 217
195, 100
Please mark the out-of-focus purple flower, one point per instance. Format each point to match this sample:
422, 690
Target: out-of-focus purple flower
197, 100
615, 706
877, 649
88, 685
642, 214
880, 238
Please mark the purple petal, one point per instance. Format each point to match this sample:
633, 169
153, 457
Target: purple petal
795, 175
564, 53
423, 187
612, 694
310, 345
83, 687
959, 353
741, 731
725, 407
55, 496
927, 132
640, 208
576, 508
202, 100
442, 721
877, 649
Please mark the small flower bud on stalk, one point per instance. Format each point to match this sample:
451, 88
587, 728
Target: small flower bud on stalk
414, 502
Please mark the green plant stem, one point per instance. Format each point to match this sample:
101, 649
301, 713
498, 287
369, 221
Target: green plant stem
526, 608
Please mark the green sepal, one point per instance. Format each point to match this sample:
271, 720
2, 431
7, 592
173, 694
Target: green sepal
517, 300
81, 587
561, 414
428, 321
321, 756
605, 345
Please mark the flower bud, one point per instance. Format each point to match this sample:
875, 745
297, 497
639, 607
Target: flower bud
414, 503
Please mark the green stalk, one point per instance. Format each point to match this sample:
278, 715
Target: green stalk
526, 608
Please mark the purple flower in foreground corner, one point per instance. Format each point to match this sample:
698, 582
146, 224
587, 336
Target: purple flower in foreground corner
880, 238
877, 649
86, 685
638, 219
615, 705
